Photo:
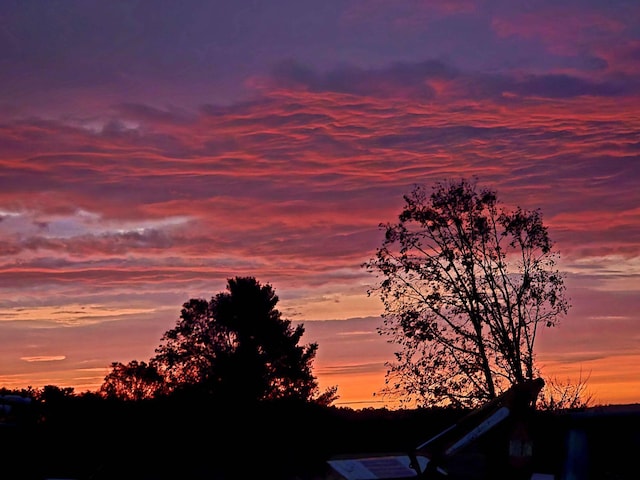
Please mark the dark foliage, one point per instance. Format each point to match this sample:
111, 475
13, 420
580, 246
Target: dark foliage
90, 437
466, 284
133, 381
235, 347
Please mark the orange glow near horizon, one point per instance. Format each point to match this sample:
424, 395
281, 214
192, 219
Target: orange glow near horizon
607, 382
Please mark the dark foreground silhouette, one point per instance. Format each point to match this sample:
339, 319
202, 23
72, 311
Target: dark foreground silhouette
87, 437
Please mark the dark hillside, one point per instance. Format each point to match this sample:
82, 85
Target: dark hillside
91, 438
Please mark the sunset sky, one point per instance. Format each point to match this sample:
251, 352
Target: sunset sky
150, 150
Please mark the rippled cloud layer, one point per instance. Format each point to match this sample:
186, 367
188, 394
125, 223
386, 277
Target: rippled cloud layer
147, 157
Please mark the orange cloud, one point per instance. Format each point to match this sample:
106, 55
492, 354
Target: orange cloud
49, 358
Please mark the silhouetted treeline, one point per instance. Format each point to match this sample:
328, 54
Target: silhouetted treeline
87, 436
188, 437
234, 346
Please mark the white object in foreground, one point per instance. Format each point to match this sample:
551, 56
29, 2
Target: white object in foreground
374, 468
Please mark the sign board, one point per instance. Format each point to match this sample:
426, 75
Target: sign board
374, 468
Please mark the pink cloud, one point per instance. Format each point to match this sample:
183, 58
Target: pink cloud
561, 28
135, 174
158, 207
